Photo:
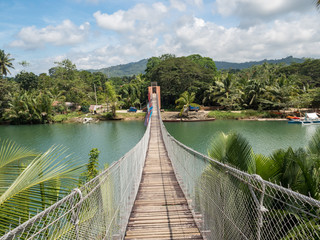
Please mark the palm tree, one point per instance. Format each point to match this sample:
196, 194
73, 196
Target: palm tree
131, 94
186, 99
30, 181
297, 169
226, 93
5, 63
233, 149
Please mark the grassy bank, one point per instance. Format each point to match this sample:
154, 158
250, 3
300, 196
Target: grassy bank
74, 116
251, 114
132, 116
68, 116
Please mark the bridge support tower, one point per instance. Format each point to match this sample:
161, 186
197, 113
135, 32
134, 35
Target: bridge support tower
154, 89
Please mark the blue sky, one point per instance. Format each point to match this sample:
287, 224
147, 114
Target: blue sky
103, 33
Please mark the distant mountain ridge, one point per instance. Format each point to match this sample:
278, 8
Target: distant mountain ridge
129, 69
135, 68
230, 65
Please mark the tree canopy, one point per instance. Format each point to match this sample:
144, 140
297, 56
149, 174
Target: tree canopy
177, 75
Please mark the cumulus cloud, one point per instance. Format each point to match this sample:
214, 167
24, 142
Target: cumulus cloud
147, 30
251, 12
279, 39
122, 21
179, 5
190, 35
66, 33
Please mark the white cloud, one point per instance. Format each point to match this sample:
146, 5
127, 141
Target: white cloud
298, 38
179, 5
122, 21
185, 34
251, 12
147, 30
66, 33
116, 21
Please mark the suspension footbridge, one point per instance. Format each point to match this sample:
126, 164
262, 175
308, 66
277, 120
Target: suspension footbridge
161, 189
161, 209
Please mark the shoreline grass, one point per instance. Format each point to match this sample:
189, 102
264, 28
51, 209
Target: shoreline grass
246, 114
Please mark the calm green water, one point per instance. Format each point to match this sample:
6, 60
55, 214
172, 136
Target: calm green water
264, 137
113, 139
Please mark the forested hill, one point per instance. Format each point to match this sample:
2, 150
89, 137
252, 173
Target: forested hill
130, 69
230, 65
136, 68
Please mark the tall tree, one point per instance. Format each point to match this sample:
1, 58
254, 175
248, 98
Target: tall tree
177, 75
5, 63
27, 80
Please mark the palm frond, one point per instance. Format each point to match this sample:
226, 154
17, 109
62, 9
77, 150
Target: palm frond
32, 186
233, 149
314, 144
11, 152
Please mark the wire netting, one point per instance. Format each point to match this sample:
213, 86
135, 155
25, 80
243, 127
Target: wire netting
237, 205
98, 210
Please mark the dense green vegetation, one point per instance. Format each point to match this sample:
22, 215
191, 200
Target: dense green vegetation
297, 169
260, 87
30, 98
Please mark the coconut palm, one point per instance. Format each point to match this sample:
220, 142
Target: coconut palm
5, 63
56, 94
298, 169
226, 93
233, 149
30, 181
130, 94
186, 99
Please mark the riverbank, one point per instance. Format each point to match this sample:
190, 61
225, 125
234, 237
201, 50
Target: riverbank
171, 116
77, 117
249, 115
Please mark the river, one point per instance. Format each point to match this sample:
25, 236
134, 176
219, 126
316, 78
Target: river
112, 138
115, 138
264, 136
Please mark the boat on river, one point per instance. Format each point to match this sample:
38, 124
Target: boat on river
310, 118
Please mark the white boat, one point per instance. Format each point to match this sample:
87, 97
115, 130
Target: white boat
310, 118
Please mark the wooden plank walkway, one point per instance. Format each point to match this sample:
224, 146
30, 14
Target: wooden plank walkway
160, 210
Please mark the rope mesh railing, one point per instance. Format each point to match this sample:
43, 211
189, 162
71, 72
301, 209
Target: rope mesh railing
237, 205
98, 210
